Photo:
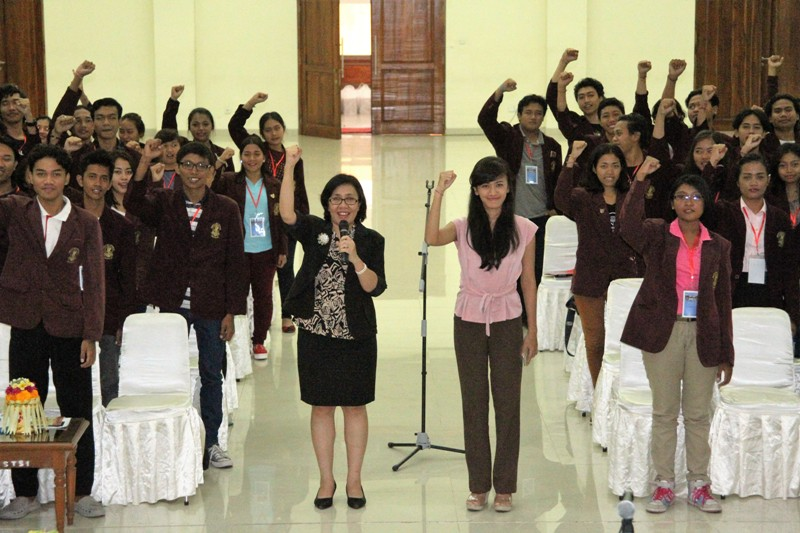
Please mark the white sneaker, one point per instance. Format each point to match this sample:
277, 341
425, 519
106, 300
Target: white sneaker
662, 497
700, 496
218, 458
19, 507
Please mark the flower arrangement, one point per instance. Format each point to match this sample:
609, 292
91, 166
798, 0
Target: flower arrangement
23, 411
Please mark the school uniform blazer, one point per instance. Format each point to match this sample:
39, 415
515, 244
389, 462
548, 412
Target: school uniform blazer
508, 143
571, 124
119, 257
654, 310
602, 255
210, 261
777, 239
35, 288
234, 187
315, 234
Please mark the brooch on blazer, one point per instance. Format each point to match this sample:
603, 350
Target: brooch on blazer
136, 236
781, 237
215, 229
651, 191
323, 239
108, 252
72, 255
714, 278
602, 210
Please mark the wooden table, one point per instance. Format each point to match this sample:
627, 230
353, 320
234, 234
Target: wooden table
51, 449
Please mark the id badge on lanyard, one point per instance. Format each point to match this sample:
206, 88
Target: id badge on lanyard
689, 304
257, 226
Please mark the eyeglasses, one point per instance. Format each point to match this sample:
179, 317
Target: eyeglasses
687, 197
188, 165
337, 200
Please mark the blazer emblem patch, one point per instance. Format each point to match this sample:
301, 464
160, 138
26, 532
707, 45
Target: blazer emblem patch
108, 252
602, 210
136, 236
781, 237
714, 279
215, 229
276, 210
72, 255
651, 191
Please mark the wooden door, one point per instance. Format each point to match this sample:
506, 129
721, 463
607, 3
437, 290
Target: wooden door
786, 42
22, 50
408, 50
730, 40
319, 68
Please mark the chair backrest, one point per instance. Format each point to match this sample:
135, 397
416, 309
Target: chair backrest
560, 245
762, 344
155, 355
621, 293
632, 374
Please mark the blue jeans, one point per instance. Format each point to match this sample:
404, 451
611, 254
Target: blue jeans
109, 368
211, 358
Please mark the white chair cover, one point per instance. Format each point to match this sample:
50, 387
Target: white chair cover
621, 293
551, 312
349, 104
560, 245
579, 388
239, 346
797, 376
364, 99
755, 432
152, 438
629, 463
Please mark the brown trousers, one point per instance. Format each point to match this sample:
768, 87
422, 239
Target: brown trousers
593, 314
490, 363
666, 370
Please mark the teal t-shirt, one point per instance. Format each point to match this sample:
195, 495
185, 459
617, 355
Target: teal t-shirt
257, 237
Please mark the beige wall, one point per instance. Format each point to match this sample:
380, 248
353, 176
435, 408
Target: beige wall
225, 50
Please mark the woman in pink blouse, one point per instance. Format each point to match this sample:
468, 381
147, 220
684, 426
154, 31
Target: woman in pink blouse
495, 249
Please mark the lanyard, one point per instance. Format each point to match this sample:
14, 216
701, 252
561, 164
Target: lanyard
633, 175
46, 220
528, 145
793, 216
275, 165
169, 184
763, 221
198, 210
690, 255
260, 190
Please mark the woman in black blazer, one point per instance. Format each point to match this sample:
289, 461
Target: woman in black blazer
331, 301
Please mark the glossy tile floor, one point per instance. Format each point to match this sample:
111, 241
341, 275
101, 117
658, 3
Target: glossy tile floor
562, 476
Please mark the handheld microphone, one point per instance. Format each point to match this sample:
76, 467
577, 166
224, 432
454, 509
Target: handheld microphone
626, 510
344, 231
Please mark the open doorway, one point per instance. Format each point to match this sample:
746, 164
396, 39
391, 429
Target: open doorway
355, 38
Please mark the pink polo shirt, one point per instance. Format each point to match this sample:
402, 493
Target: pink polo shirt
687, 262
487, 296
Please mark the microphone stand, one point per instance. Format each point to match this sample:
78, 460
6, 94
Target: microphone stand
423, 442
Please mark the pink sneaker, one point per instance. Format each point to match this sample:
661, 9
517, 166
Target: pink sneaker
260, 352
662, 498
700, 496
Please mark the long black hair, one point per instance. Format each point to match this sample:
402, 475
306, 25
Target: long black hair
259, 143
591, 182
777, 186
492, 245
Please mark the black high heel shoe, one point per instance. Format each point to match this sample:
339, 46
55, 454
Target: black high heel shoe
325, 503
357, 503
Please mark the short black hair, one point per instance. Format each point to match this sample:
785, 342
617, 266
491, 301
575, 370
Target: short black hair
678, 109
752, 157
636, 123
167, 135
781, 96
106, 102
8, 141
336, 181
590, 82
136, 118
196, 148
744, 113
610, 102
699, 92
42, 151
97, 157
9, 89
531, 99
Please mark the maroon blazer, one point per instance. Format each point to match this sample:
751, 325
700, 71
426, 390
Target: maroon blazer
234, 187
119, 254
211, 260
653, 313
35, 288
782, 282
508, 143
602, 255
